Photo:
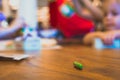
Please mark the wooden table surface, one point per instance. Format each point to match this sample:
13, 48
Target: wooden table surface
58, 65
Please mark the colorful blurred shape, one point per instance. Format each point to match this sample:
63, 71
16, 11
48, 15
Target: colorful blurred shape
66, 10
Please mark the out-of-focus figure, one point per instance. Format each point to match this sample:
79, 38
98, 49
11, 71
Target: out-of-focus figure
111, 23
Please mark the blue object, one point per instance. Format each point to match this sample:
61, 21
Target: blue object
2, 16
98, 44
51, 33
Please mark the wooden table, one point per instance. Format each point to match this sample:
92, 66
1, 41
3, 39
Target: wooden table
58, 65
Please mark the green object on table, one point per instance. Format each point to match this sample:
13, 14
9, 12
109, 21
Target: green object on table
78, 65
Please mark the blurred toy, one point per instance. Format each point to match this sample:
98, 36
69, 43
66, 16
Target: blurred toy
98, 44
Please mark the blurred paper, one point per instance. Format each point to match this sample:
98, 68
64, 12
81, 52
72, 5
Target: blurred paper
14, 56
8, 45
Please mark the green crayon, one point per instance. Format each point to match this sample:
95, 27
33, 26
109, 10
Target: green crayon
78, 65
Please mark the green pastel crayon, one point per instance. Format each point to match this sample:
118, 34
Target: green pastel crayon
78, 65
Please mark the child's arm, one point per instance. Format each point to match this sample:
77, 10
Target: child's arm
88, 11
12, 30
109, 37
81, 10
89, 38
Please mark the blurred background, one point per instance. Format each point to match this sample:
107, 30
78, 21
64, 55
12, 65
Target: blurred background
55, 18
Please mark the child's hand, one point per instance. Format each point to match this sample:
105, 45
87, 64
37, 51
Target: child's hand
17, 26
109, 37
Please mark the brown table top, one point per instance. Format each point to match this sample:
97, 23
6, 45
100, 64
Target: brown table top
58, 65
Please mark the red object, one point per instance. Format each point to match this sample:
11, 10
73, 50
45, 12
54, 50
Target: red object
69, 26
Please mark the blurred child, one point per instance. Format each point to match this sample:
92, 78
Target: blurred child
90, 10
111, 23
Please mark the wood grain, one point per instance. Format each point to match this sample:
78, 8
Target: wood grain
58, 65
